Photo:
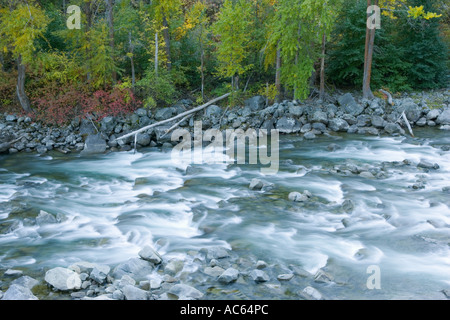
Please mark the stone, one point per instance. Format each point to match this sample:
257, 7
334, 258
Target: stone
363, 120
311, 293
185, 292
433, 114
295, 111
143, 139
13, 273
11, 118
133, 293
259, 275
217, 253
126, 280
78, 295
445, 127
261, 264
319, 126
323, 277
26, 281
348, 205
213, 271
427, 165
99, 273
18, 292
333, 147
256, 184
150, 254
255, 103
349, 104
285, 276
107, 125
309, 135
319, 116
173, 267
297, 197
45, 218
94, 144
421, 122
118, 295
228, 276
213, 111
135, 267
338, 125
41, 149
63, 279
82, 266
141, 112
393, 128
378, 122
412, 111
155, 283
367, 175
305, 128
287, 125
164, 113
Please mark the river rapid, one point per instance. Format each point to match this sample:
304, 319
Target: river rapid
110, 206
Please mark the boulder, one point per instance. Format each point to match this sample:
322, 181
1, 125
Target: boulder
311, 293
135, 267
256, 103
256, 184
150, 254
45, 218
295, 111
185, 292
63, 279
26, 281
94, 144
213, 111
173, 267
143, 139
164, 113
349, 104
132, 293
18, 292
319, 116
297, 197
444, 117
259, 275
433, 114
99, 273
391, 128
309, 135
338, 125
287, 125
378, 122
228, 276
412, 111
107, 125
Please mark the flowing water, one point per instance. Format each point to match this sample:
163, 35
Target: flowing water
111, 205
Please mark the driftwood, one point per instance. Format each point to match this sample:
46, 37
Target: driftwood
4, 146
176, 124
389, 96
181, 115
407, 123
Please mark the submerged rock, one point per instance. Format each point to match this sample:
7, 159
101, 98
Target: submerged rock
185, 292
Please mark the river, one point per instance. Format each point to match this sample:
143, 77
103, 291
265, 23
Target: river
111, 205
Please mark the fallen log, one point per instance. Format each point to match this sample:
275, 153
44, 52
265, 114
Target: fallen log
389, 96
181, 115
4, 146
407, 124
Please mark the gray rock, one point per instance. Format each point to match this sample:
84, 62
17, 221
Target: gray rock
367, 175
134, 267
26, 281
351, 120
134, 119
99, 273
349, 104
307, 127
217, 253
255, 103
363, 120
143, 139
13, 273
18, 292
45, 218
63, 279
132, 293
173, 267
213, 271
256, 184
82, 266
161, 135
445, 127
11, 118
378, 122
213, 111
126, 280
427, 165
391, 128
352, 129
338, 125
333, 147
319, 116
228, 276
185, 292
287, 125
319, 126
412, 111
107, 125
150, 254
368, 130
141, 112
421, 122
323, 277
309, 135
285, 276
433, 114
311, 293
259, 275
164, 113
118, 295
260, 264
348, 205
94, 144
295, 111
297, 197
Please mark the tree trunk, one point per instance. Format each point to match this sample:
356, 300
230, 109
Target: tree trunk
368, 57
278, 73
110, 21
166, 36
322, 69
133, 74
156, 53
21, 94
202, 65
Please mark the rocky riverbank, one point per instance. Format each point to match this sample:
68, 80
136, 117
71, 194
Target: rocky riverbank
339, 113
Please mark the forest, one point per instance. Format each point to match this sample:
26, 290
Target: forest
61, 59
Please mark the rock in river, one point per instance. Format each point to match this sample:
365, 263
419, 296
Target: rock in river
63, 279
